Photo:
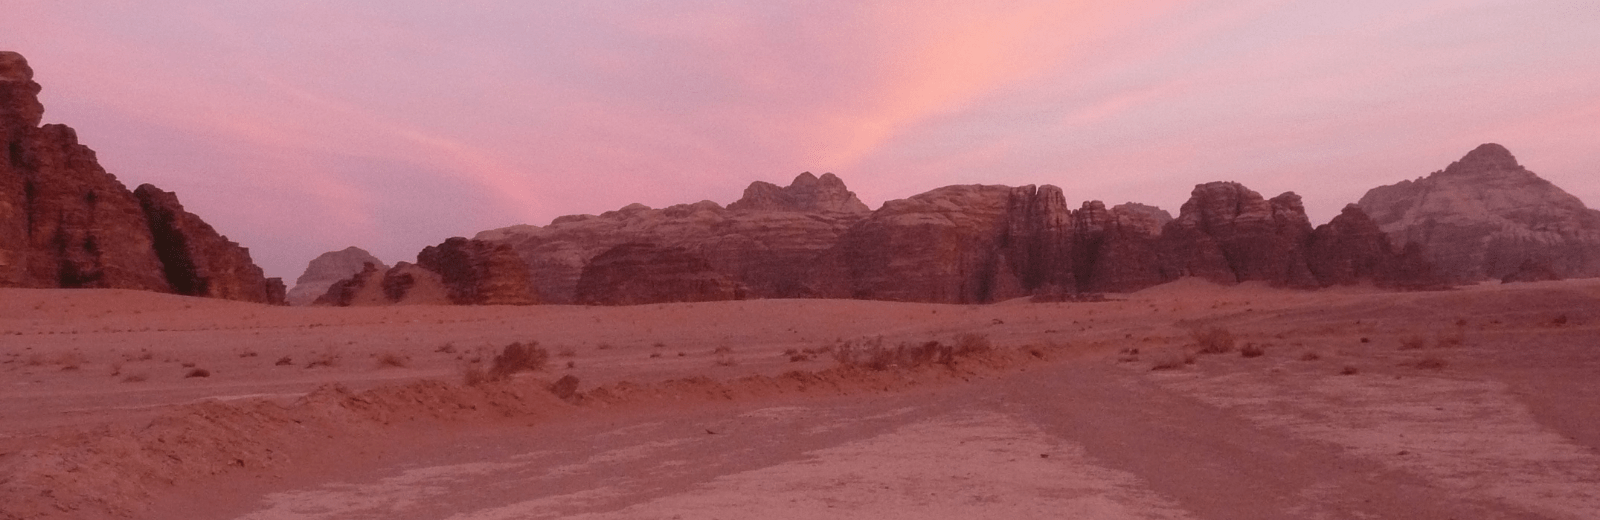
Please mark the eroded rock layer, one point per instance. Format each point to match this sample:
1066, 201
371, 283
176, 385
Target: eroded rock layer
65, 222
476, 272
638, 273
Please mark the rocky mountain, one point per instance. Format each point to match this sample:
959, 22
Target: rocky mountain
766, 241
633, 274
327, 269
475, 272
65, 222
1485, 215
373, 285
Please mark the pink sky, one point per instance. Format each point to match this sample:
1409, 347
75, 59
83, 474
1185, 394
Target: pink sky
299, 127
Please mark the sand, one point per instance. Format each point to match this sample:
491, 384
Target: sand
699, 411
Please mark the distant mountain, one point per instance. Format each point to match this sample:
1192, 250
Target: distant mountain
65, 222
1485, 216
327, 269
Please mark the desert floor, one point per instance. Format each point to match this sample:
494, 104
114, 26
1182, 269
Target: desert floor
1481, 402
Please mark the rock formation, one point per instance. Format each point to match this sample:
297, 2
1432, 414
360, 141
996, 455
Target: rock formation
1485, 215
403, 284
476, 272
327, 269
639, 273
1227, 233
767, 241
1351, 249
65, 222
197, 260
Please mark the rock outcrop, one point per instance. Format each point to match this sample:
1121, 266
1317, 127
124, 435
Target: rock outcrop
1227, 233
639, 273
1485, 215
767, 242
476, 272
327, 269
65, 222
197, 260
403, 284
1351, 249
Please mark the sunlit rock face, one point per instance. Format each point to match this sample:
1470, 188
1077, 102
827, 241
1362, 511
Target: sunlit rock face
477, 272
1485, 215
65, 222
327, 269
767, 242
637, 273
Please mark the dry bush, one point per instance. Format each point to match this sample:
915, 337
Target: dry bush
447, 348
284, 361
518, 357
34, 359
723, 350
390, 359
1251, 350
1348, 371
327, 358
968, 344
1413, 342
135, 378
198, 372
565, 388
567, 352
71, 361
725, 360
872, 354
1451, 339
1310, 356
472, 375
604, 346
1213, 340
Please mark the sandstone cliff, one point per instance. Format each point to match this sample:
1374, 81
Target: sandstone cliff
766, 242
476, 272
327, 269
1485, 215
373, 285
637, 273
65, 222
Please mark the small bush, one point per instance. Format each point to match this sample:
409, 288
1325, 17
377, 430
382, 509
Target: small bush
1430, 363
565, 388
518, 357
473, 375
1170, 360
1348, 371
1213, 340
198, 372
135, 378
285, 360
1413, 342
1251, 350
1451, 340
725, 360
390, 359
327, 358
447, 348
967, 344
567, 352
1310, 356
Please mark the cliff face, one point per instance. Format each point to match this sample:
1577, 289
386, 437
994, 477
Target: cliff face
373, 285
766, 242
1227, 233
633, 274
65, 222
475, 272
327, 269
1485, 215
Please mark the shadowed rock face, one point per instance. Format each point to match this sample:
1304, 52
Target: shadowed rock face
476, 272
65, 222
632, 274
1351, 249
197, 260
1227, 233
1485, 215
327, 269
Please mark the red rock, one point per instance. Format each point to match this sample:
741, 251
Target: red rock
327, 269
403, 284
476, 272
1227, 233
197, 260
639, 273
1351, 249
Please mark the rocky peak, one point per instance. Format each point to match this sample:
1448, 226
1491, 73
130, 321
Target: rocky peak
476, 272
807, 193
329, 268
19, 96
1487, 157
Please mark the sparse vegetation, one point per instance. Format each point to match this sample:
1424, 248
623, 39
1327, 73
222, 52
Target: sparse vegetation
284, 361
567, 352
1452, 339
1429, 363
1310, 356
327, 358
447, 348
1171, 359
1251, 350
1213, 340
1348, 371
135, 378
390, 359
1413, 342
517, 357
198, 372
871, 353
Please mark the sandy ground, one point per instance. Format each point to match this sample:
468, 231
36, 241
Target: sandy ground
1496, 415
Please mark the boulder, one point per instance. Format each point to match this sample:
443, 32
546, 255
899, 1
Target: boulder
1485, 215
477, 272
640, 273
327, 269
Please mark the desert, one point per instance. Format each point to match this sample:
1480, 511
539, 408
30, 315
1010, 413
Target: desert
1156, 260
1472, 403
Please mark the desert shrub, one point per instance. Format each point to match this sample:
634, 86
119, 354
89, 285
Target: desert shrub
567, 352
390, 359
1213, 340
285, 360
723, 350
447, 348
1413, 342
326, 358
472, 375
518, 357
1348, 371
1251, 350
967, 344
566, 387
135, 378
71, 361
724, 360
654, 355
1310, 356
198, 372
1450, 339
604, 346
248, 354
